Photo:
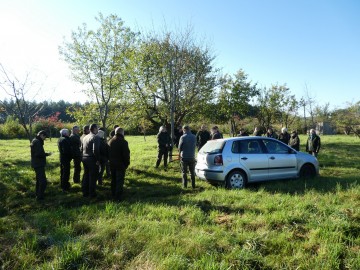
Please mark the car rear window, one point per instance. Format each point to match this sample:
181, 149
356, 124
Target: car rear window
212, 147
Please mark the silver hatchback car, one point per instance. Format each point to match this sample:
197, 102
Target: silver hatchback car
241, 160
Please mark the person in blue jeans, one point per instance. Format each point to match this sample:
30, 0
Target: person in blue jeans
187, 146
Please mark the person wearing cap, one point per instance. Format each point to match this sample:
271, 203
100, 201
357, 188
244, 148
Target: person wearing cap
187, 146
76, 152
64, 146
38, 162
119, 157
91, 160
104, 155
294, 141
284, 136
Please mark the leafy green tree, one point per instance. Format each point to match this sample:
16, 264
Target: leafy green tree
174, 79
277, 106
99, 59
348, 119
234, 98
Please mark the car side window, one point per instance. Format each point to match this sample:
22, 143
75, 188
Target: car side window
253, 147
275, 147
235, 148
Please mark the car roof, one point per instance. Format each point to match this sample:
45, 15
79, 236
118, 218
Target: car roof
246, 138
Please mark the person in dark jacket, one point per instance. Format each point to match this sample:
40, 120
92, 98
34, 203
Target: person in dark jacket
284, 136
215, 133
187, 146
38, 162
202, 136
119, 157
270, 133
313, 143
294, 141
242, 133
177, 134
64, 145
91, 160
76, 152
257, 132
164, 144
104, 155
112, 133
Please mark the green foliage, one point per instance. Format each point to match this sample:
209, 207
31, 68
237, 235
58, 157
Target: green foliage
234, 98
173, 78
11, 129
289, 224
99, 59
277, 106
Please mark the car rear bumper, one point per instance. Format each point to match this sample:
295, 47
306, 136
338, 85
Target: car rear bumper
210, 175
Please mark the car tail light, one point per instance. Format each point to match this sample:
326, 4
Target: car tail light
218, 160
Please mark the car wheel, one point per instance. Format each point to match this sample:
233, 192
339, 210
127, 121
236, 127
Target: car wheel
236, 180
307, 171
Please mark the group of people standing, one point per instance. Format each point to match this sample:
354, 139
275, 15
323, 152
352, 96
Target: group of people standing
93, 151
313, 142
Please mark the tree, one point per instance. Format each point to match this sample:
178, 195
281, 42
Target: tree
276, 105
174, 78
99, 60
20, 92
235, 96
348, 119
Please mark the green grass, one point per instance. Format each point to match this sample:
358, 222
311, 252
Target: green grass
292, 224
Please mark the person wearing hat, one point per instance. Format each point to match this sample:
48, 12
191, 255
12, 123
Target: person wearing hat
294, 141
91, 160
187, 146
64, 145
119, 157
38, 162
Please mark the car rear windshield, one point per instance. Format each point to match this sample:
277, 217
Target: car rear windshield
212, 147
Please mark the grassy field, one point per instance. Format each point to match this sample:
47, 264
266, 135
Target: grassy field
292, 224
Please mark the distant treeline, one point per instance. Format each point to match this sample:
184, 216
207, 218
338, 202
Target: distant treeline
47, 109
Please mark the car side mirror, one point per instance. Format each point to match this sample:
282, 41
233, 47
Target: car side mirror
291, 151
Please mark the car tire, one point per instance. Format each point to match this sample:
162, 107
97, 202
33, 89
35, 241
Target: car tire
236, 180
307, 171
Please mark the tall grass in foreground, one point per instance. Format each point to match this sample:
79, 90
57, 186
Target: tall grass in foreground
292, 224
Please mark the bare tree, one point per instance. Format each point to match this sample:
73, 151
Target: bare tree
20, 91
310, 103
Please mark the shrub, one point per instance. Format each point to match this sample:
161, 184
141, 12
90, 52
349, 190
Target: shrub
12, 129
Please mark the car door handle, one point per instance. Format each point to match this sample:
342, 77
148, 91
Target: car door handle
244, 158
272, 158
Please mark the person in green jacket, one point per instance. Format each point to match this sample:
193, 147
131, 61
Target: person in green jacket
38, 162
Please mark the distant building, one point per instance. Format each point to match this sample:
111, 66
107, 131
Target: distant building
325, 128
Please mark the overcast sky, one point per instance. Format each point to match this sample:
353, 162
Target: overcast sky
313, 44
